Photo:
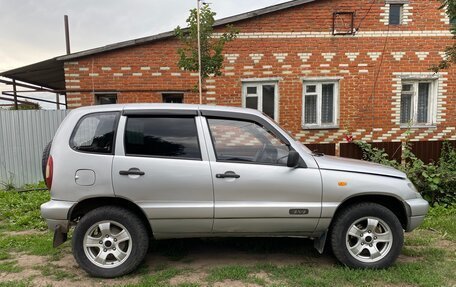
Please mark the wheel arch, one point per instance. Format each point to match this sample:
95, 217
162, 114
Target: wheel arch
89, 204
397, 206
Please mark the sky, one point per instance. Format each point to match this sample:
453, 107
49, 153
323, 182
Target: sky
33, 30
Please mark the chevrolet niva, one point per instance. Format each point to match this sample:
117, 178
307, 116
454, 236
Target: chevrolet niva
126, 174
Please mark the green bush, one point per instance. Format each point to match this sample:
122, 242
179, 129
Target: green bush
436, 181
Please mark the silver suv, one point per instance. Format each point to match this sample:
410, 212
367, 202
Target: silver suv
126, 174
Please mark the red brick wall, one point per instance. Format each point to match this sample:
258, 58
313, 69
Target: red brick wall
140, 73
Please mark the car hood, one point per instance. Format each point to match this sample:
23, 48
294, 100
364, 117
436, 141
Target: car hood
359, 166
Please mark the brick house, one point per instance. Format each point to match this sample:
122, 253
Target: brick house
323, 69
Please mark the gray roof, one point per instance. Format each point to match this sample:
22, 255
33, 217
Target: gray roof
170, 34
48, 73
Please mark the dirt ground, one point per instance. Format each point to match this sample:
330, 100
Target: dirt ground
197, 256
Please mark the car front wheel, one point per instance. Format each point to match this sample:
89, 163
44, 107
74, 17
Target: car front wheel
110, 242
367, 235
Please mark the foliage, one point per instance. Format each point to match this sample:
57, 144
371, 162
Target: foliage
450, 8
211, 47
436, 181
21, 210
8, 185
27, 106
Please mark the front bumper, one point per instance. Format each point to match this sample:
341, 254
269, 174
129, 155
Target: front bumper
55, 212
417, 209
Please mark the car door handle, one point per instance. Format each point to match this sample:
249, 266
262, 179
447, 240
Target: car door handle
132, 171
228, 174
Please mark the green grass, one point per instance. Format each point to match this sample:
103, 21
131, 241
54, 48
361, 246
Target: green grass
21, 210
10, 267
21, 283
56, 272
429, 252
443, 220
34, 244
4, 255
230, 272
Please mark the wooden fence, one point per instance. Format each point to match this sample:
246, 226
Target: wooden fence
427, 151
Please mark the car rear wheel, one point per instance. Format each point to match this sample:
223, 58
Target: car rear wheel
110, 242
367, 235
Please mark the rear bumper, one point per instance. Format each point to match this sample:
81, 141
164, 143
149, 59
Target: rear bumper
55, 212
417, 209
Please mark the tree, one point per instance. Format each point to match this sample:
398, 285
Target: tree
211, 47
450, 8
27, 105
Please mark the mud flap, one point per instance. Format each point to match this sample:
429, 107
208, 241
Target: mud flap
319, 243
59, 236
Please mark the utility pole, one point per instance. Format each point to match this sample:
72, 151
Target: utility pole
200, 80
67, 35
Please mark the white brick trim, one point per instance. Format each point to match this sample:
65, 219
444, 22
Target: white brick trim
280, 57
398, 55
352, 56
362, 34
374, 55
422, 55
231, 58
256, 58
328, 56
304, 56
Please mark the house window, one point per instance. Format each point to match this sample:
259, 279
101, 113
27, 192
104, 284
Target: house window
176, 98
416, 102
343, 23
105, 99
395, 14
262, 97
320, 104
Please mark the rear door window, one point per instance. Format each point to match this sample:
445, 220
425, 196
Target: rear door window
94, 133
170, 137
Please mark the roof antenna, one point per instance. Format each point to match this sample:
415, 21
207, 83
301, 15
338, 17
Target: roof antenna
67, 35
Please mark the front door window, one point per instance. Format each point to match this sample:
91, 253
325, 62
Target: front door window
246, 142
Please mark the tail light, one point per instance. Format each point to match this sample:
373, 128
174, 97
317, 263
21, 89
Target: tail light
49, 172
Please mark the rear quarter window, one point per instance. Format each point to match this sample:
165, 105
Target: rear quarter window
94, 133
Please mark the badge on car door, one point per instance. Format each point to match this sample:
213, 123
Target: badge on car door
299, 211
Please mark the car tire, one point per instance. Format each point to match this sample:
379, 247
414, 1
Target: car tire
109, 242
367, 235
44, 158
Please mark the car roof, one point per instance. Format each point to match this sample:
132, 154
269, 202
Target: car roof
163, 106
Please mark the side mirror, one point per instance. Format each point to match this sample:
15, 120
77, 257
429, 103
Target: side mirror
293, 159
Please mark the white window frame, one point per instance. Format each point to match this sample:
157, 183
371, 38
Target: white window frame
319, 82
258, 84
432, 104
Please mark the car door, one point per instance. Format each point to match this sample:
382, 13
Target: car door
159, 166
255, 192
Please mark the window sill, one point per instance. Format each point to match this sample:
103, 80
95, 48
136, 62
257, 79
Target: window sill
330, 127
423, 126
